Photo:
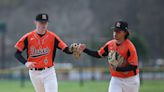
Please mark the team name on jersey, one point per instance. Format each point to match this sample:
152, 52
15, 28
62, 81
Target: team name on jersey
39, 52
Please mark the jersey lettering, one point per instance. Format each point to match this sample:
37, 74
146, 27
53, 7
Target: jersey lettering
38, 52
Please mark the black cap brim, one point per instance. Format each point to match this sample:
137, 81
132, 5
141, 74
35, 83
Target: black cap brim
114, 28
42, 20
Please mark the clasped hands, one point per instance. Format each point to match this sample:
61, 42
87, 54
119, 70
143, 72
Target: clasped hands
77, 49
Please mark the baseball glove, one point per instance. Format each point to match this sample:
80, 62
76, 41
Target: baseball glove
74, 48
115, 59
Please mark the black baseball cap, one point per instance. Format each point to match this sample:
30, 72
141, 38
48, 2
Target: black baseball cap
42, 17
121, 25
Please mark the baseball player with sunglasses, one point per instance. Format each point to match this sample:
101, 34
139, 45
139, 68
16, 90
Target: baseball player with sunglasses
122, 59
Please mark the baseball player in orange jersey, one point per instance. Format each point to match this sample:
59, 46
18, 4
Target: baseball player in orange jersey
125, 77
41, 45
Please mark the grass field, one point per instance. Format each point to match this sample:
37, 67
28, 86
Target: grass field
74, 86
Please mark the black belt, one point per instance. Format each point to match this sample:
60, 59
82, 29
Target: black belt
39, 69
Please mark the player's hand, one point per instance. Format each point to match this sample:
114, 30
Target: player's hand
30, 65
82, 47
74, 48
112, 66
77, 49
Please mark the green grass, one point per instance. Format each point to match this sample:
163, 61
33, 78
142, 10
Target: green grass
152, 86
74, 86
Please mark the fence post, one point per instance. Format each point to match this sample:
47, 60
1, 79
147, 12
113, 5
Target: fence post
3, 31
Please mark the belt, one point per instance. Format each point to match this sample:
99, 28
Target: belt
39, 69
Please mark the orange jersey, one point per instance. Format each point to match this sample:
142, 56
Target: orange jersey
40, 49
128, 51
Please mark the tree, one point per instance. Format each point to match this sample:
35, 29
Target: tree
141, 46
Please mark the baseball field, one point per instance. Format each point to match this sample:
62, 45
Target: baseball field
74, 86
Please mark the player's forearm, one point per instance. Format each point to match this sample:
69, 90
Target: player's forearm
66, 50
19, 57
127, 68
92, 53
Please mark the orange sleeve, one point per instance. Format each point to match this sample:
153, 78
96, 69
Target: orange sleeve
133, 58
20, 44
61, 44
